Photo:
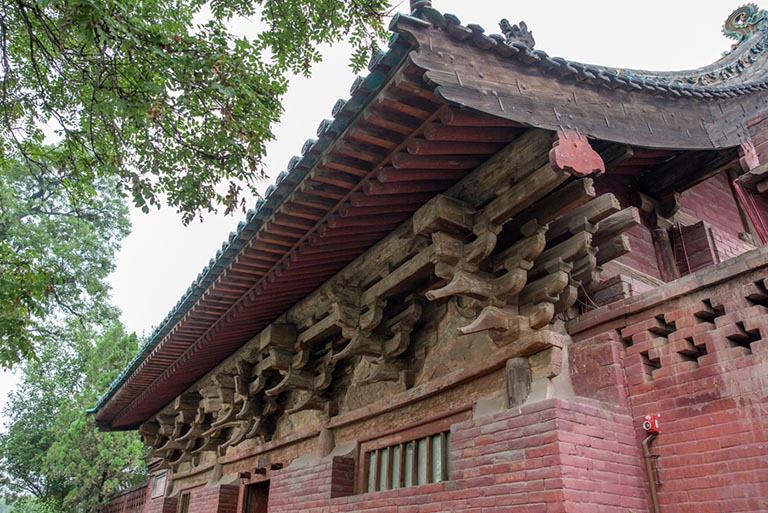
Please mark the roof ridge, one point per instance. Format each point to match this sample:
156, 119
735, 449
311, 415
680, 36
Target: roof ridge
715, 80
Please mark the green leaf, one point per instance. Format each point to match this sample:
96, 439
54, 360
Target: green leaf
140, 93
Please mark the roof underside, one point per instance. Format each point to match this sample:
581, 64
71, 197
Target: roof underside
440, 102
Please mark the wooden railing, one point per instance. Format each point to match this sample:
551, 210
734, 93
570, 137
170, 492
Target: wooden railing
131, 500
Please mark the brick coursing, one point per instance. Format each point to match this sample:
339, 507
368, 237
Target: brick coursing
535, 458
702, 362
693, 350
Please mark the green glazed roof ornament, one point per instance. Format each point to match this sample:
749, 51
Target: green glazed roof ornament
745, 22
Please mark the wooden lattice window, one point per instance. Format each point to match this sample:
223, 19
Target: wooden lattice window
413, 455
184, 503
418, 462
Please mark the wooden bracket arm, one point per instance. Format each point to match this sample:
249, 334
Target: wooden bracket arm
473, 284
361, 345
293, 380
491, 318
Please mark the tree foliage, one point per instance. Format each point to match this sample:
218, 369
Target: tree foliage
143, 92
56, 251
52, 457
102, 100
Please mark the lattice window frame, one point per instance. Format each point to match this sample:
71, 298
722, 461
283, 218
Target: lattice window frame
413, 447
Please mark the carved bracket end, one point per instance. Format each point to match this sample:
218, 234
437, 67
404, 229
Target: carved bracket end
571, 153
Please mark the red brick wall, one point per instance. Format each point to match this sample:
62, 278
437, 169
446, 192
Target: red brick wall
203, 499
221, 499
727, 246
596, 369
552, 456
162, 505
228, 499
701, 361
713, 201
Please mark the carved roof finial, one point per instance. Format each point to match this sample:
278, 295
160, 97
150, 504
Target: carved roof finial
517, 33
744, 22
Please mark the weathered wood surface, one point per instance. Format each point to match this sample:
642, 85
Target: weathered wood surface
686, 171
515, 248
509, 89
528, 152
591, 212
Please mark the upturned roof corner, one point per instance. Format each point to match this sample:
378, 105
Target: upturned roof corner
442, 99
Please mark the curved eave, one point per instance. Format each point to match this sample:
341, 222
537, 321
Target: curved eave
209, 286
394, 144
702, 109
391, 147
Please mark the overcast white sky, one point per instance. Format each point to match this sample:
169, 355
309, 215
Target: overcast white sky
161, 257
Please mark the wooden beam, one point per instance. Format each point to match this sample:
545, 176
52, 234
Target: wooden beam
687, 170
424, 147
363, 200
614, 154
437, 132
350, 211
405, 160
513, 200
360, 151
613, 248
616, 224
372, 136
457, 117
377, 188
390, 174
400, 107
403, 125
525, 154
351, 166
591, 212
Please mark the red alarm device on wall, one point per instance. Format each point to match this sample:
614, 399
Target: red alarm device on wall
651, 422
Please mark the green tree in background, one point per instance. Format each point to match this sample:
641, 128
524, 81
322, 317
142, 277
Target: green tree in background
103, 100
144, 93
141, 101
52, 457
56, 251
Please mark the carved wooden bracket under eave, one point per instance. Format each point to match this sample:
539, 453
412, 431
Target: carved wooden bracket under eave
572, 154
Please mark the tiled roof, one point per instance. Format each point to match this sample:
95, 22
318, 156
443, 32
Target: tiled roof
726, 78
729, 77
342, 112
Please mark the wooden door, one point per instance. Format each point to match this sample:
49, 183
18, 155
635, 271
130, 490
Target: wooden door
256, 497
